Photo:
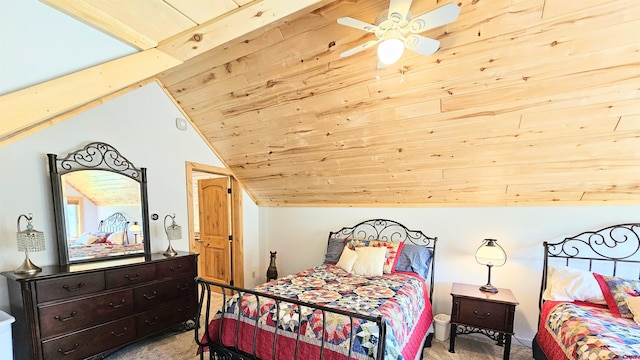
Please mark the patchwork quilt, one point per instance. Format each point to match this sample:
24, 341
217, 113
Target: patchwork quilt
92, 251
588, 332
401, 298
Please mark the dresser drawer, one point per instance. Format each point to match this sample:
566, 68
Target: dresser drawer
487, 315
163, 292
69, 286
171, 314
83, 344
77, 314
177, 267
130, 276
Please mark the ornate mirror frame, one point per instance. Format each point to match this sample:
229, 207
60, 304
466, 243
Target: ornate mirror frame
94, 156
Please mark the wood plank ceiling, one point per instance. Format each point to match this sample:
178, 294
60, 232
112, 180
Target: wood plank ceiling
527, 102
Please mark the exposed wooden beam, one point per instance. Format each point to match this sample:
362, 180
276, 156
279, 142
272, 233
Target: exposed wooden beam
104, 21
27, 108
248, 18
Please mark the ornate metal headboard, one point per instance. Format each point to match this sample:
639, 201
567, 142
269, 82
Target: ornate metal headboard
115, 222
389, 230
613, 245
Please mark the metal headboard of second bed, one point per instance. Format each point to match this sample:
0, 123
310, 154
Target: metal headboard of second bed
613, 246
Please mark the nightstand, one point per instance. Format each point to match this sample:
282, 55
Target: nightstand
475, 311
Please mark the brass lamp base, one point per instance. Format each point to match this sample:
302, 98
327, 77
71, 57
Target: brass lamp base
27, 267
170, 251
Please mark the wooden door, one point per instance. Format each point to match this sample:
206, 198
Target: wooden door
214, 262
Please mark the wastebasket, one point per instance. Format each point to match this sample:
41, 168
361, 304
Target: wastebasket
5, 335
443, 327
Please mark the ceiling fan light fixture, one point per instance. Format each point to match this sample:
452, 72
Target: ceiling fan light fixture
390, 51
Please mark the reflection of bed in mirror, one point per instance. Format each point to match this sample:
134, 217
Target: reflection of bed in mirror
111, 239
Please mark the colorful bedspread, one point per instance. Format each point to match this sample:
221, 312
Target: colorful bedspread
587, 332
92, 251
401, 298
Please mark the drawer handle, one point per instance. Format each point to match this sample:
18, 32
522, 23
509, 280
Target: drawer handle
183, 288
152, 322
67, 352
70, 317
174, 269
481, 316
124, 331
149, 297
78, 287
117, 305
134, 278
188, 308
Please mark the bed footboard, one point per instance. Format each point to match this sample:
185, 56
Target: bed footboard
213, 343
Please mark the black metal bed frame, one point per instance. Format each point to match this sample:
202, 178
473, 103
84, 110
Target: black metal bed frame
378, 229
114, 223
591, 247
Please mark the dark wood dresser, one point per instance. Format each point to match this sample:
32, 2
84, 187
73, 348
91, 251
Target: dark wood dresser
80, 311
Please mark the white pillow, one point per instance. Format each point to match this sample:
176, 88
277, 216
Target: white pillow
633, 302
347, 259
86, 239
116, 238
370, 261
571, 284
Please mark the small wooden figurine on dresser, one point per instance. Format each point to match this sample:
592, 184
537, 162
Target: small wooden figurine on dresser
272, 271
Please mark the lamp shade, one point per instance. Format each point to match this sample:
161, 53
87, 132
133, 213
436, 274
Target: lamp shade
135, 227
29, 239
490, 253
390, 51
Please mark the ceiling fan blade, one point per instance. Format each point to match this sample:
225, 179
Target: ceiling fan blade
359, 48
422, 44
357, 24
437, 17
398, 10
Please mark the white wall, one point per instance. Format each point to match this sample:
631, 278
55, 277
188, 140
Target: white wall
39, 43
299, 235
141, 125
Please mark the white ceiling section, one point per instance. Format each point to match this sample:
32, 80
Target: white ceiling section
50, 44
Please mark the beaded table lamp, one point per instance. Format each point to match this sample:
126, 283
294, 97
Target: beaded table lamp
29, 240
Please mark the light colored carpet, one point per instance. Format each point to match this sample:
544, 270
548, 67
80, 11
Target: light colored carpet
182, 347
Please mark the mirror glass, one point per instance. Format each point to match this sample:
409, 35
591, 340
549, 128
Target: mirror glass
100, 205
102, 215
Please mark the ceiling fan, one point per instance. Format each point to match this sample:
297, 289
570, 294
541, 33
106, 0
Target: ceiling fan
396, 30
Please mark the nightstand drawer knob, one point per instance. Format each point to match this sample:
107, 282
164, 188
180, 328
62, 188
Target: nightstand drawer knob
481, 316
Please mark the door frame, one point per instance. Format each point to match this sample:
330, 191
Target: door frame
237, 248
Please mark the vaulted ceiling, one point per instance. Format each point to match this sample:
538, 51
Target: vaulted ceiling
527, 102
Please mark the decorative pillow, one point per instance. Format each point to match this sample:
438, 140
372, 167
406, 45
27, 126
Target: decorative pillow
86, 239
116, 238
370, 260
102, 237
334, 250
615, 291
570, 284
633, 303
415, 258
391, 255
347, 259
